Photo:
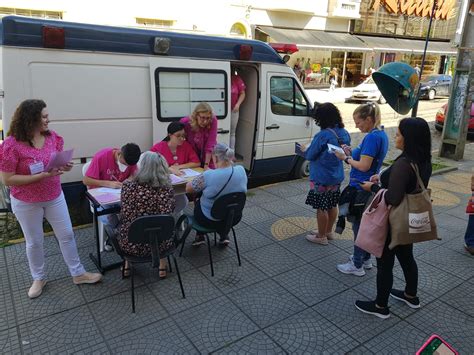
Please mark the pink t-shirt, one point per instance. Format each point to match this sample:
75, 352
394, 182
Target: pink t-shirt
184, 153
236, 87
104, 167
18, 157
203, 140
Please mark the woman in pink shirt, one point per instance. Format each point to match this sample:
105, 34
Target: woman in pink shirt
201, 132
178, 153
37, 194
237, 90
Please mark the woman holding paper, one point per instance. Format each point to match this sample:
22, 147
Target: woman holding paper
36, 193
178, 153
326, 170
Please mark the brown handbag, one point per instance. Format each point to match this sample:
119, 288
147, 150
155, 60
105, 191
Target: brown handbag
412, 221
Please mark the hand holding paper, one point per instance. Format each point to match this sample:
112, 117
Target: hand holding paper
59, 160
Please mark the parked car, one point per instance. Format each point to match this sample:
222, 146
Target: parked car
435, 85
442, 113
367, 91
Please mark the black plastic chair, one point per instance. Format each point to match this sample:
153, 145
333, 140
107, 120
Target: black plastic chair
226, 208
152, 230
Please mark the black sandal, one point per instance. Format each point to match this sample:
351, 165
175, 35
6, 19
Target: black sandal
165, 270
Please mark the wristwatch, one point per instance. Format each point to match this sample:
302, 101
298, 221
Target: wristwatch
347, 160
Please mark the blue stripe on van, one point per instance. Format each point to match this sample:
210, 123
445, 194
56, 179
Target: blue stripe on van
27, 32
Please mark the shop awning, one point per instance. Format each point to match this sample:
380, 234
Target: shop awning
353, 43
316, 39
385, 44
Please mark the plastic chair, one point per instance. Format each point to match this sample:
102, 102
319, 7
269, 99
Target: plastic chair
226, 208
152, 230
101, 225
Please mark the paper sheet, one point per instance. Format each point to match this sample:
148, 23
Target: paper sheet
175, 180
333, 148
187, 173
59, 159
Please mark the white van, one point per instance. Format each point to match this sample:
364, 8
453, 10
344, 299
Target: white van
106, 86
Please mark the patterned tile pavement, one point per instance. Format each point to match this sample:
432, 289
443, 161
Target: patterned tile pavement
287, 297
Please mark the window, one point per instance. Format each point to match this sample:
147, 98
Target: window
154, 23
287, 98
4, 11
178, 91
238, 30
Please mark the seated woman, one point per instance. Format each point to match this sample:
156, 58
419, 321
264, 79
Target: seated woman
225, 179
178, 153
148, 193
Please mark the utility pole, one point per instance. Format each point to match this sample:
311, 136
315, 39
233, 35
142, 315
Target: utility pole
462, 91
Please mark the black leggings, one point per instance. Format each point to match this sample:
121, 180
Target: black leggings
404, 254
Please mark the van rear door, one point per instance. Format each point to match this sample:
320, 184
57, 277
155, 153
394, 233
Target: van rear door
178, 85
287, 115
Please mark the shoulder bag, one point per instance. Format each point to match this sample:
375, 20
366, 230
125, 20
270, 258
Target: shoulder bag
412, 221
374, 226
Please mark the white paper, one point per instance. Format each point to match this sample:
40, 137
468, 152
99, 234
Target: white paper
187, 173
107, 190
333, 148
175, 180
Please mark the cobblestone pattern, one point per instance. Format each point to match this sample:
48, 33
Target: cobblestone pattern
287, 297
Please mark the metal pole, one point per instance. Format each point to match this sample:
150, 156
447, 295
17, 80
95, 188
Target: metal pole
414, 111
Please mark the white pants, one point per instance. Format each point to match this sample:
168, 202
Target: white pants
234, 119
30, 216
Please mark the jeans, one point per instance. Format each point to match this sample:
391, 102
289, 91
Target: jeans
469, 236
404, 254
360, 255
30, 216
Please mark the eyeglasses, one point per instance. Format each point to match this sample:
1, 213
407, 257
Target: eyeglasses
204, 118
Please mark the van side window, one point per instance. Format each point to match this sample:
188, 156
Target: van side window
286, 97
178, 91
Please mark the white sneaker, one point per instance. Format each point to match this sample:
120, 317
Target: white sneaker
367, 263
349, 268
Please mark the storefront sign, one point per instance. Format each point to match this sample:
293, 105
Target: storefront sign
420, 8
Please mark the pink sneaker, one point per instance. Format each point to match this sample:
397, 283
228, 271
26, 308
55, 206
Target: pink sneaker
317, 239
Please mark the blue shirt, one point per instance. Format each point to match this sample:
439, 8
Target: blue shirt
214, 180
324, 167
375, 145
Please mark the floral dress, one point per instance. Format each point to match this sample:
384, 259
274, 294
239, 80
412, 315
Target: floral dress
142, 200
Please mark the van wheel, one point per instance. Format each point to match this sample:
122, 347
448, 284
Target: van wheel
431, 94
302, 169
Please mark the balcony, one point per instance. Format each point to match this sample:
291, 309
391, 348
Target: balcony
344, 9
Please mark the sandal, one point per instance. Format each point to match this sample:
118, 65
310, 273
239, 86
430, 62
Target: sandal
125, 272
162, 273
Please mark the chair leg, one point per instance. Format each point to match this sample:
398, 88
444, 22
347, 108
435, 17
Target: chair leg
215, 239
182, 247
210, 254
123, 270
236, 247
132, 277
179, 276
169, 264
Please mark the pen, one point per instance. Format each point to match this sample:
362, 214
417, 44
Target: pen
113, 177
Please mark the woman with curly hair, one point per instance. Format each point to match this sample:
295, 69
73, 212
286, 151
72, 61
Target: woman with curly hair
201, 132
36, 193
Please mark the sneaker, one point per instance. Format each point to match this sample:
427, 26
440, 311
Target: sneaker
400, 295
317, 239
224, 242
108, 246
369, 307
367, 264
199, 240
36, 289
470, 250
87, 278
330, 235
349, 268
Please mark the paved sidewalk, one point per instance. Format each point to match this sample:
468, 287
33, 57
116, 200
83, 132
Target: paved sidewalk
286, 298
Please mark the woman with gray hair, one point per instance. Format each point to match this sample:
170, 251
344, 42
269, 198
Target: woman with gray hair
148, 193
225, 179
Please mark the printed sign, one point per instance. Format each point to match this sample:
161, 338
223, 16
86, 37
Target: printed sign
420, 8
419, 222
